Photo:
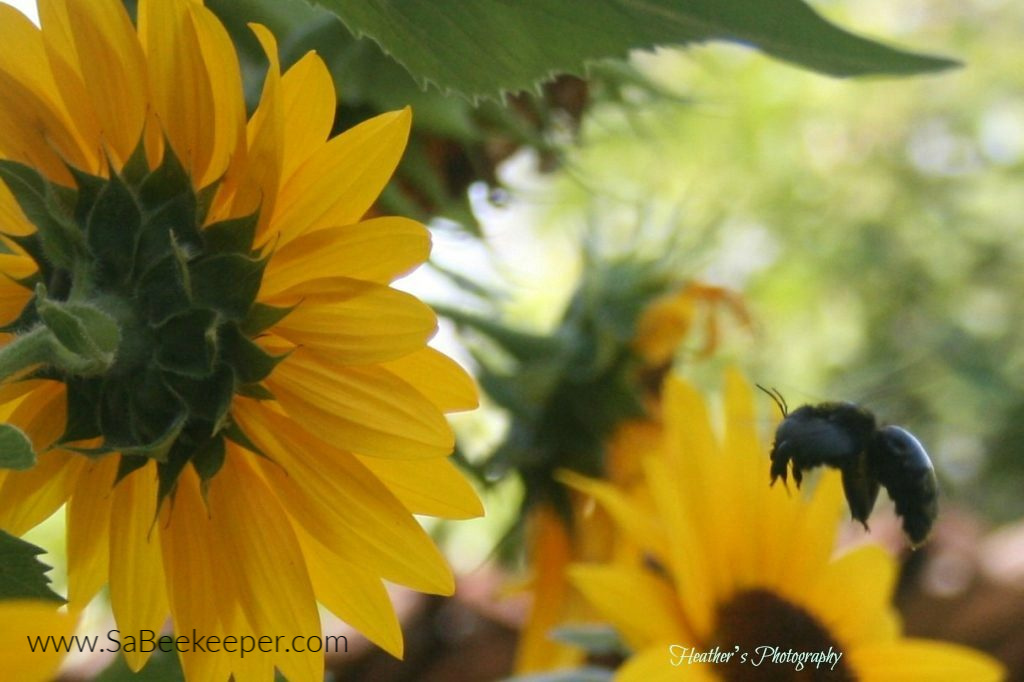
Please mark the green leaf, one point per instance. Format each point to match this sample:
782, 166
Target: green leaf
22, 575
15, 449
486, 47
596, 639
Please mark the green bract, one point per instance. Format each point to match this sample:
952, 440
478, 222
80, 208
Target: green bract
147, 316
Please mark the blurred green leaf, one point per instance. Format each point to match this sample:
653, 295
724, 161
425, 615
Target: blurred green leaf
488, 47
22, 575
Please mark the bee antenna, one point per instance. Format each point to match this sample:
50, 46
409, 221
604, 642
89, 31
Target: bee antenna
774, 394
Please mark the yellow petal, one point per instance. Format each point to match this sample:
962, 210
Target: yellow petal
138, 595
112, 68
923, 660
35, 128
550, 554
354, 594
273, 584
432, 487
309, 102
640, 606
437, 377
339, 183
29, 497
639, 527
41, 619
366, 410
195, 84
12, 218
200, 590
371, 526
355, 322
88, 530
265, 135
852, 595
377, 250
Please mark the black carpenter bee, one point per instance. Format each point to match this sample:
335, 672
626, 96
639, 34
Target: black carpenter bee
847, 437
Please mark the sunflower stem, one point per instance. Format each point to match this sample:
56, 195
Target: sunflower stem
34, 347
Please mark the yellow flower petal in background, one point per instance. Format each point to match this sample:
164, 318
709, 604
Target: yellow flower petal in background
642, 606
924, 661
21, 618
790, 593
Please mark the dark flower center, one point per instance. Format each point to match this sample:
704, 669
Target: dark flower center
775, 634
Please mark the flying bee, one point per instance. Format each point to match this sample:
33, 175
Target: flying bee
847, 437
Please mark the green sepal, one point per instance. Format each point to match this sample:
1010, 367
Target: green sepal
263, 316
136, 168
89, 188
16, 451
166, 181
128, 464
231, 236
234, 433
33, 246
89, 334
164, 290
83, 399
227, 282
139, 414
22, 574
254, 391
207, 399
188, 343
40, 201
250, 362
159, 447
207, 461
112, 229
169, 470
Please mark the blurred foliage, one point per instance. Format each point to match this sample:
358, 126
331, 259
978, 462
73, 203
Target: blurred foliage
875, 226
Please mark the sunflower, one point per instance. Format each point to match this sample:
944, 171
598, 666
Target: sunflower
661, 320
239, 412
734, 572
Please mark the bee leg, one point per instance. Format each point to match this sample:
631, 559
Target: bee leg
780, 464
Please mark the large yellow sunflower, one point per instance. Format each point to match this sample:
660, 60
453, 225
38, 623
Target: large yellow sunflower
201, 340
731, 566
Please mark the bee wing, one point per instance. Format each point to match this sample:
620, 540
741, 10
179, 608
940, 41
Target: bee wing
902, 466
